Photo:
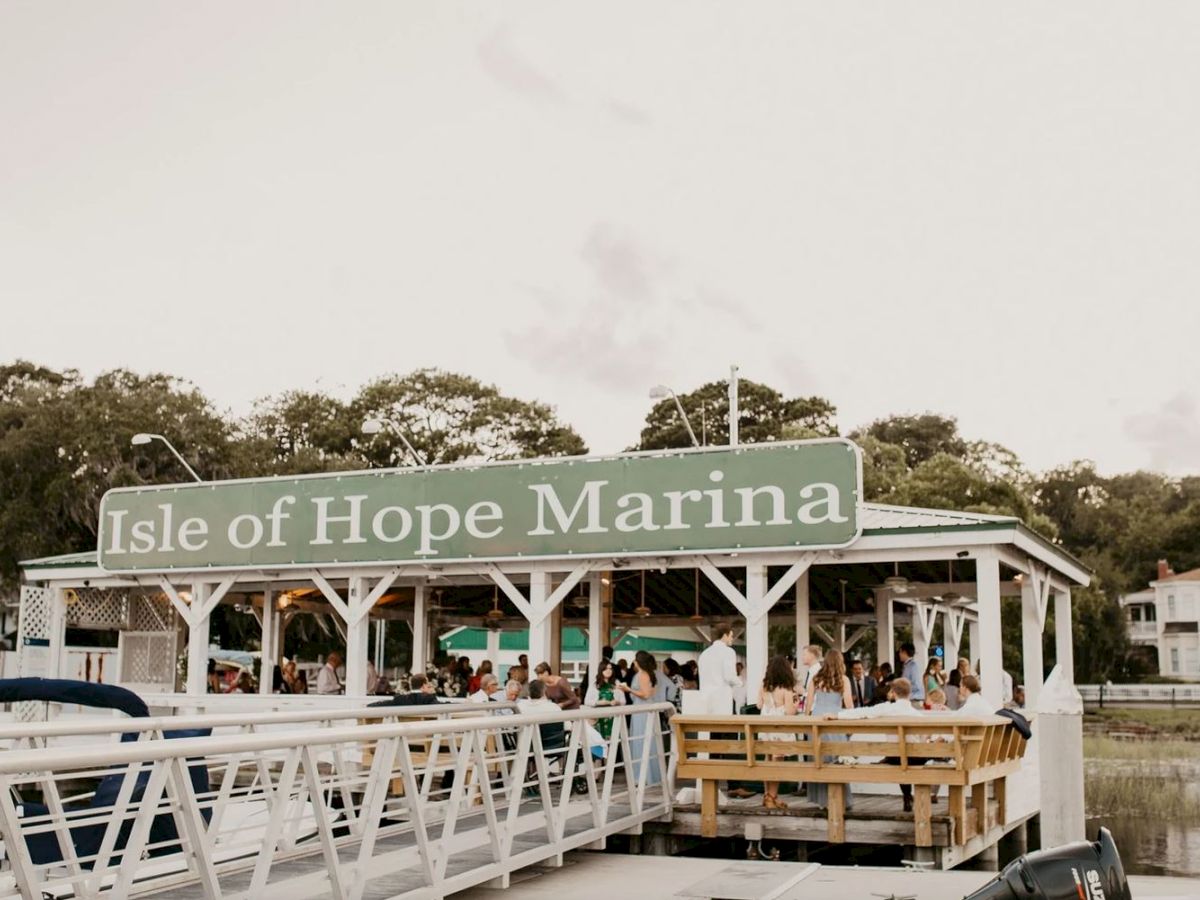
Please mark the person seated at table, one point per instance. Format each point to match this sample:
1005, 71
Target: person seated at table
973, 703
935, 701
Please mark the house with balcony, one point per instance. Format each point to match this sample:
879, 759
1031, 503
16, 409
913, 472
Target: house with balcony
1166, 616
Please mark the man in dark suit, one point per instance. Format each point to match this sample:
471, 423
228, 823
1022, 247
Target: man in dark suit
862, 685
421, 693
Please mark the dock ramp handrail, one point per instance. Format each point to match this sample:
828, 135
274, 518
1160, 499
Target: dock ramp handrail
420, 809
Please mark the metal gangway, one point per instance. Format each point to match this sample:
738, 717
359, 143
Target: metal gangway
405, 802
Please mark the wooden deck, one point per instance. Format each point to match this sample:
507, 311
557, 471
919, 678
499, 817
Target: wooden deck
873, 819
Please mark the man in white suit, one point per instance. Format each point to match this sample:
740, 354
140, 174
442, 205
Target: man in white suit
718, 672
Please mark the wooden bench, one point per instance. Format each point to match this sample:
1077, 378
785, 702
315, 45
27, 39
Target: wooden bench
964, 754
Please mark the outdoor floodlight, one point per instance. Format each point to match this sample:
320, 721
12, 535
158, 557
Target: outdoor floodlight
375, 426
661, 392
142, 438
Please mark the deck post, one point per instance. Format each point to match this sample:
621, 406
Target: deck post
803, 630
836, 812
539, 632
597, 639
757, 630
987, 578
924, 616
270, 625
708, 808
885, 629
420, 635
357, 640
197, 676
923, 815
1060, 747
1031, 642
493, 650
1064, 648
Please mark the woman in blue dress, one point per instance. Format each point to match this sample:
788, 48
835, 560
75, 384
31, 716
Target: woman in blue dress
828, 693
646, 688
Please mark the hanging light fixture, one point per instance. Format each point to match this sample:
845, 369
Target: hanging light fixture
495, 614
696, 617
642, 611
951, 596
896, 583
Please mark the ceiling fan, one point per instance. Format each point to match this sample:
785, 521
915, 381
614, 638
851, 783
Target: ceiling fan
951, 596
642, 611
494, 615
896, 583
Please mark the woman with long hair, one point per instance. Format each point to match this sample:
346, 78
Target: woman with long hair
604, 692
777, 697
645, 689
829, 692
935, 679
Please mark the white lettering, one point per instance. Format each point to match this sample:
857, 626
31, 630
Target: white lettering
778, 505
377, 524
166, 546
644, 511
235, 530
142, 536
830, 500
547, 497
483, 511
115, 516
716, 501
276, 517
675, 500
193, 528
324, 520
427, 535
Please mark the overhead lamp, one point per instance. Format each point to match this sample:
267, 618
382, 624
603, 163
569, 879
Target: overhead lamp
662, 392
142, 438
375, 426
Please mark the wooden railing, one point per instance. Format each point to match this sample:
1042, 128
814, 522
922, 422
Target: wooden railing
936, 749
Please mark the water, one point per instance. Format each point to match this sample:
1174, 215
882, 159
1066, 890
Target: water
1153, 846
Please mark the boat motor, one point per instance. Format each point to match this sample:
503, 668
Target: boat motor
1080, 871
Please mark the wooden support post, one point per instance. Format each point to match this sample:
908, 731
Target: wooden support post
757, 629
979, 803
597, 639
270, 624
837, 813
540, 646
708, 808
1033, 611
357, 639
958, 810
923, 815
1000, 787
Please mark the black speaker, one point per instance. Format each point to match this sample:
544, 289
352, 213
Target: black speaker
1081, 871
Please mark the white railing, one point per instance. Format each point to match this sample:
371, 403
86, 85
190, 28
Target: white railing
410, 809
1139, 693
1143, 630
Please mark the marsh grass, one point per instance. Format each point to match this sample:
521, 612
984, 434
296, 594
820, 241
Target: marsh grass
1130, 792
1100, 747
1183, 724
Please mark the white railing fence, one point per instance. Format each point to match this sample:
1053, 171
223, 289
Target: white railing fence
405, 809
1169, 694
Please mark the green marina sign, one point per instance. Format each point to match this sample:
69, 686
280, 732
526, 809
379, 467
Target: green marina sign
762, 497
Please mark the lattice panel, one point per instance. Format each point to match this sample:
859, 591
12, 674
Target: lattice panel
148, 658
150, 613
99, 608
33, 651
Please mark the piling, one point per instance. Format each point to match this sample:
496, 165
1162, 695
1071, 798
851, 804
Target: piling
1059, 724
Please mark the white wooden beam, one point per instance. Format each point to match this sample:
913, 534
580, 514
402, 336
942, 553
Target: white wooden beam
334, 598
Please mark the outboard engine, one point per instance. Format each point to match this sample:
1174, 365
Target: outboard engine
1080, 871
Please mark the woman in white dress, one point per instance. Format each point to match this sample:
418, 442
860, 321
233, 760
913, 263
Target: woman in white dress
777, 698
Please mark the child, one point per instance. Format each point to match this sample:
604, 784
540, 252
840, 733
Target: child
935, 701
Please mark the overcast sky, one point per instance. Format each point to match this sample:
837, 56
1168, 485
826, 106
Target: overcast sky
989, 210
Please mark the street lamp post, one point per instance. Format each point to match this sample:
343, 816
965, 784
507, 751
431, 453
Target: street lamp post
375, 426
142, 438
661, 392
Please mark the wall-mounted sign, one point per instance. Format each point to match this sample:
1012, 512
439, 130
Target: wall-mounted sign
769, 496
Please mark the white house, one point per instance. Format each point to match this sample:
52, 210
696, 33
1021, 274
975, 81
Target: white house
1167, 615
